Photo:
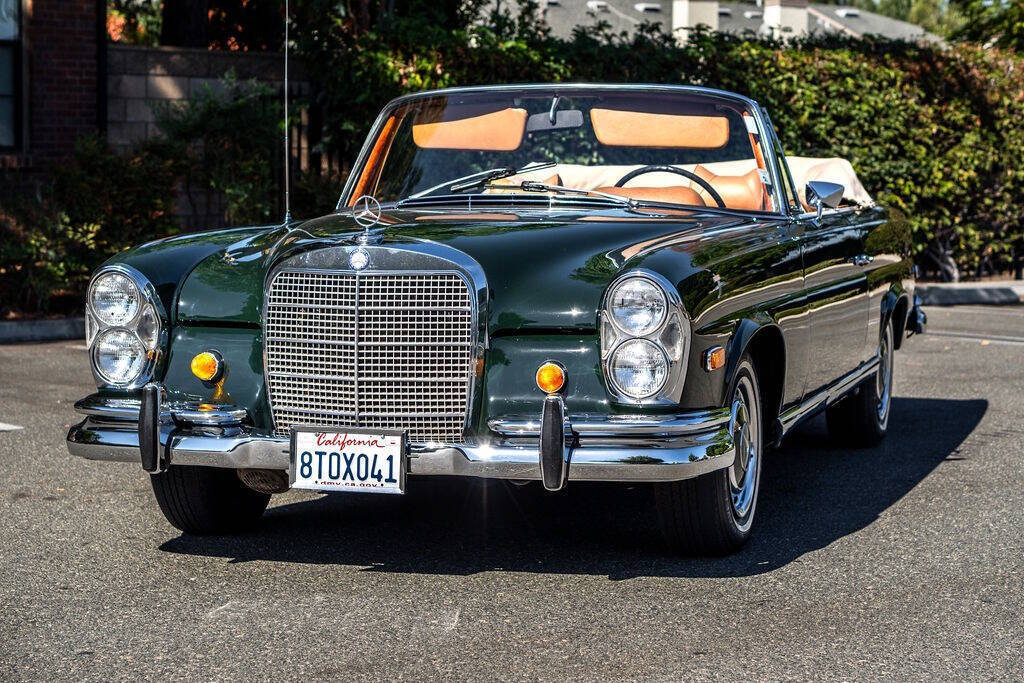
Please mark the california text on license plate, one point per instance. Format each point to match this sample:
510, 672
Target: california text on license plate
351, 460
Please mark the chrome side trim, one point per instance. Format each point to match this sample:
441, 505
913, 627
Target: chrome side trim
826, 397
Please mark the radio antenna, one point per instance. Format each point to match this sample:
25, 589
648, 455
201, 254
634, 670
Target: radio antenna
287, 125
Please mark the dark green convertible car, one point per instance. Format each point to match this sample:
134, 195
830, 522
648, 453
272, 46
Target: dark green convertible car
552, 283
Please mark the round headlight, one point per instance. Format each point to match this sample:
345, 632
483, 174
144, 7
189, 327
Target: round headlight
119, 356
638, 306
115, 299
639, 368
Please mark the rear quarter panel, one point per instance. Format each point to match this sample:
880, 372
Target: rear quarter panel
890, 275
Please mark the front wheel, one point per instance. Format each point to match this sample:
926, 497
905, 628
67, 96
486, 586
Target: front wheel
713, 514
207, 500
862, 418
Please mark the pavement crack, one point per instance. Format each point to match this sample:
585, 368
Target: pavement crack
226, 608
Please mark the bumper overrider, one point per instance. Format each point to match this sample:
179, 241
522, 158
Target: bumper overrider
553, 447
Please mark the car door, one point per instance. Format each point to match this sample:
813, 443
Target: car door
836, 294
835, 283
835, 301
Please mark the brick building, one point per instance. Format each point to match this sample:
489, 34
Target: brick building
52, 78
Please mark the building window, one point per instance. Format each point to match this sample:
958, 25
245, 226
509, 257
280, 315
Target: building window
10, 74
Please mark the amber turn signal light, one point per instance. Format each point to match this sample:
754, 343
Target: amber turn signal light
714, 358
207, 366
550, 377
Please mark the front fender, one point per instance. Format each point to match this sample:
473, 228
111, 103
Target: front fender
167, 262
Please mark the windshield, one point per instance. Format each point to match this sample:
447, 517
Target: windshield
676, 147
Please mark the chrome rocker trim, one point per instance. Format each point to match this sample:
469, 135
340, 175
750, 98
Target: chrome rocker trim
600, 448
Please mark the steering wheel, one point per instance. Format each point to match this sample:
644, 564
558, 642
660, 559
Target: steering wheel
655, 168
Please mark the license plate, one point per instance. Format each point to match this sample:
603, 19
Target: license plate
356, 460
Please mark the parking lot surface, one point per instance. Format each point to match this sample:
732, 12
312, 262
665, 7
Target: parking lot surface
902, 561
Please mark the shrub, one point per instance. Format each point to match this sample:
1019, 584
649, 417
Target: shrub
54, 231
226, 139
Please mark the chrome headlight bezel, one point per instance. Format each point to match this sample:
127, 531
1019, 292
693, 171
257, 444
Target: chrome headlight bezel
150, 315
671, 336
656, 322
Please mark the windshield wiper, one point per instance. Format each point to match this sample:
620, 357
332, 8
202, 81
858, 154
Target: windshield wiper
481, 179
534, 186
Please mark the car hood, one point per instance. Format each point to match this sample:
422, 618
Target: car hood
545, 271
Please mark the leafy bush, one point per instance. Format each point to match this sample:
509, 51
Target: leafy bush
54, 231
227, 139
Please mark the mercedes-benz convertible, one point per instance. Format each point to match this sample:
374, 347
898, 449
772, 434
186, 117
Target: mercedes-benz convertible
547, 283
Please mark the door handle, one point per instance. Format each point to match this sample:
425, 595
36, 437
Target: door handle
862, 259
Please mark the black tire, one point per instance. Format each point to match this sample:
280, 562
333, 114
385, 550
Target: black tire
862, 418
207, 500
700, 516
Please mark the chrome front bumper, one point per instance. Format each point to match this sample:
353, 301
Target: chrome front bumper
599, 448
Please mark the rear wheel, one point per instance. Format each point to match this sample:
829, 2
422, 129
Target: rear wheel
713, 514
862, 418
207, 500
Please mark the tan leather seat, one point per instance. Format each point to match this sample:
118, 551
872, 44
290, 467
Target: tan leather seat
737, 191
672, 195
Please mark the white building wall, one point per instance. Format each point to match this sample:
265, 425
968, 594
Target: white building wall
786, 18
687, 14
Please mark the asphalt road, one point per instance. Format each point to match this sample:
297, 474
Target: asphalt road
901, 562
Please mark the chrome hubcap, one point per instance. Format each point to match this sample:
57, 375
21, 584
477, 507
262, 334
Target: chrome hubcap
883, 378
744, 470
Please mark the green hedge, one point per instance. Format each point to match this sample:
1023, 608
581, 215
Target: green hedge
55, 229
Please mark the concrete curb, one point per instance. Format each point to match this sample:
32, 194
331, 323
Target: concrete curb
14, 331
946, 295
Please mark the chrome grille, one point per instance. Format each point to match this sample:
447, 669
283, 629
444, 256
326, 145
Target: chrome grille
390, 351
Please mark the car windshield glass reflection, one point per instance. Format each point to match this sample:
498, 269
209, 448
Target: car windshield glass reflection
684, 148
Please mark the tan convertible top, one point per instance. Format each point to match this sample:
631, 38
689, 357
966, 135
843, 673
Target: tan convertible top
832, 169
804, 169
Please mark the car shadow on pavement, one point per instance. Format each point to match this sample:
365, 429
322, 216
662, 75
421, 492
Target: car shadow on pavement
812, 493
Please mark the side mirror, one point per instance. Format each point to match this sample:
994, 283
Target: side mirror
820, 194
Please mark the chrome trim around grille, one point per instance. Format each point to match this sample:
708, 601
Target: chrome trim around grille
393, 346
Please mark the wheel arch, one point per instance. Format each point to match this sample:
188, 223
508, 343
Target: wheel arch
900, 312
766, 345
896, 307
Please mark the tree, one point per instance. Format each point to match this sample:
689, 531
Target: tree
133, 21
185, 23
927, 14
897, 9
246, 24
995, 22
